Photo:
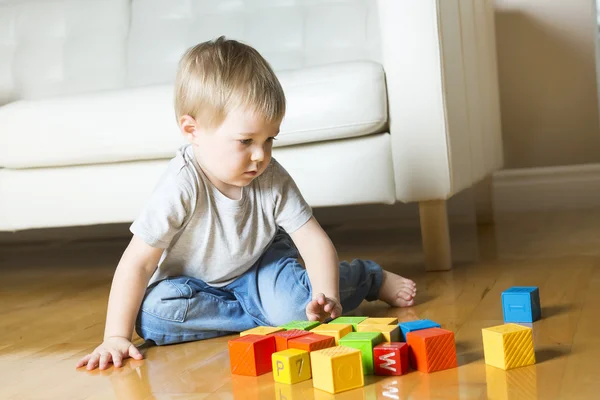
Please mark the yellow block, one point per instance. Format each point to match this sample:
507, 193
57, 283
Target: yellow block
261, 330
338, 331
508, 346
391, 333
380, 321
337, 369
291, 366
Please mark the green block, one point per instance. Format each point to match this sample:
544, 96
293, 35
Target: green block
302, 325
349, 320
363, 341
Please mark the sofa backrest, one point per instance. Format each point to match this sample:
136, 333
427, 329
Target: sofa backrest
56, 47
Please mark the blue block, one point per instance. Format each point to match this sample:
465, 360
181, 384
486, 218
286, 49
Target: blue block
521, 304
417, 325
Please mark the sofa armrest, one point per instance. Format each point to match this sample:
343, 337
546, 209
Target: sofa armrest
440, 63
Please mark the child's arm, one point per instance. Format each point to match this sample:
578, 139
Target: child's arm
132, 275
322, 265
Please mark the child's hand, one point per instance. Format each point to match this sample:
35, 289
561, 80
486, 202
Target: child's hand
113, 349
321, 307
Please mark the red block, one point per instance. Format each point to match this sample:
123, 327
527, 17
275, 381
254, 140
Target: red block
312, 342
391, 358
251, 354
432, 349
282, 338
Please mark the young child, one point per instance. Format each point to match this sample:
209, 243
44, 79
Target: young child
226, 222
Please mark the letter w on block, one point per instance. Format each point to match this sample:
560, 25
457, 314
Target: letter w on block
389, 361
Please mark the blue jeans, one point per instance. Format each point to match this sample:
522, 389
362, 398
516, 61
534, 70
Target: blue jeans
273, 292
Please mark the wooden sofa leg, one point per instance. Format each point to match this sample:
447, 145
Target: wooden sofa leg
435, 234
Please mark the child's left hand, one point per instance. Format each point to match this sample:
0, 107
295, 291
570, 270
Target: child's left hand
321, 307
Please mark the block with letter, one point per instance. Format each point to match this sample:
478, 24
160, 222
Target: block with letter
391, 333
261, 330
380, 321
363, 341
291, 366
337, 369
391, 358
302, 325
432, 349
311, 342
337, 331
282, 338
251, 354
349, 320
508, 346
411, 326
521, 304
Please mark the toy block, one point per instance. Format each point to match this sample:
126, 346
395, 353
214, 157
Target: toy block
261, 330
311, 342
282, 338
508, 346
432, 349
337, 369
302, 325
251, 354
337, 331
291, 366
391, 333
411, 326
380, 321
349, 320
391, 358
363, 341
521, 304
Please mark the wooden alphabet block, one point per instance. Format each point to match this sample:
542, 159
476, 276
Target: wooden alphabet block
337, 331
391, 333
391, 358
261, 330
251, 354
432, 349
337, 369
508, 346
291, 366
311, 342
282, 338
363, 341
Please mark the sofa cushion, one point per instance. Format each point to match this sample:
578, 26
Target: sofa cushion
324, 103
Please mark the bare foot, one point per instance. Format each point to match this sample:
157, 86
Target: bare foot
397, 291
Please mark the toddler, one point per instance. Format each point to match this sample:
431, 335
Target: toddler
215, 249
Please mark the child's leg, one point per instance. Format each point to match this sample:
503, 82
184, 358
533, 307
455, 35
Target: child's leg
277, 289
185, 309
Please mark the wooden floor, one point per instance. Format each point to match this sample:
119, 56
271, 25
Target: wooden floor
53, 302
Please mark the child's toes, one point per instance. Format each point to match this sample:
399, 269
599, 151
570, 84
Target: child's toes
405, 294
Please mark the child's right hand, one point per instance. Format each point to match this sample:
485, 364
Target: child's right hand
113, 349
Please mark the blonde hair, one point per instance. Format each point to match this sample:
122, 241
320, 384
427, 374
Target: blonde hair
217, 76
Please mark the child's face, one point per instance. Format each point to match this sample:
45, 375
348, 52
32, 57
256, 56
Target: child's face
235, 153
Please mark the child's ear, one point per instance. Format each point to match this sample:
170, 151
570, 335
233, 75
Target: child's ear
188, 127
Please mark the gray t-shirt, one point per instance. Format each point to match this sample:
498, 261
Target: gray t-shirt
209, 236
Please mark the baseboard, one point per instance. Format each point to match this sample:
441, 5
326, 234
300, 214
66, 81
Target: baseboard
546, 189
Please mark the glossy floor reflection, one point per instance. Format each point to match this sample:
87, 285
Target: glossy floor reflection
54, 300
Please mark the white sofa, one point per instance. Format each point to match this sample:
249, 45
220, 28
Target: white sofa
388, 101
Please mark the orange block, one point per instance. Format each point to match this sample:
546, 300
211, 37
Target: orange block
312, 342
432, 349
282, 338
251, 354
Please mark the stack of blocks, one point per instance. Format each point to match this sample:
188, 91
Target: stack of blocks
337, 355
511, 345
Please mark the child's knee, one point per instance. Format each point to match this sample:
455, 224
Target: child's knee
287, 307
